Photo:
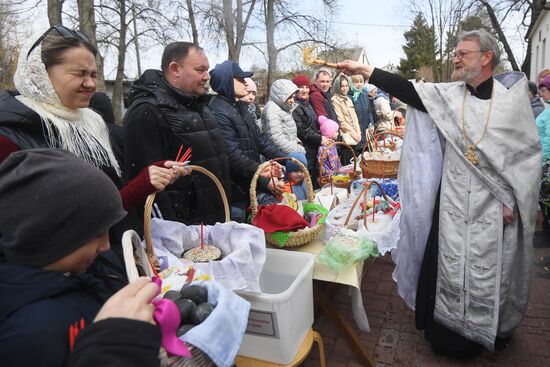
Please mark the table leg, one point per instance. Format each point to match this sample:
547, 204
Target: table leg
335, 315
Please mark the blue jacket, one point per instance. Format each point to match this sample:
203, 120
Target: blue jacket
242, 138
37, 308
543, 124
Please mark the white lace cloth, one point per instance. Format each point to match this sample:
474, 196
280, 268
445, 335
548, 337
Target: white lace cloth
384, 233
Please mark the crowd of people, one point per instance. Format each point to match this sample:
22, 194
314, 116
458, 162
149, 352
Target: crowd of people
72, 183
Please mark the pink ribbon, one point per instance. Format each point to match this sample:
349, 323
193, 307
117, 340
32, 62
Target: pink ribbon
167, 316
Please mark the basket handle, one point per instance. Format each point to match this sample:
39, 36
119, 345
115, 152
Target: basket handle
374, 140
254, 183
363, 193
149, 205
323, 155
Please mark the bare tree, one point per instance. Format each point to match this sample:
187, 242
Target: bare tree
235, 26
87, 23
187, 12
231, 20
495, 22
443, 17
9, 49
192, 22
281, 18
529, 10
55, 8
499, 10
120, 23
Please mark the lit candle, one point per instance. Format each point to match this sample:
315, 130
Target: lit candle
373, 207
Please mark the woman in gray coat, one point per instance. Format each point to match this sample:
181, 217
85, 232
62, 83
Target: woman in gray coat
278, 124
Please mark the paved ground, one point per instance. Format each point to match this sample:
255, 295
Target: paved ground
394, 341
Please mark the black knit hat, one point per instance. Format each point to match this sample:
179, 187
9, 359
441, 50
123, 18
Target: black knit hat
533, 88
51, 204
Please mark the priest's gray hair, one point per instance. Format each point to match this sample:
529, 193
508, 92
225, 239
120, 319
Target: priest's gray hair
487, 42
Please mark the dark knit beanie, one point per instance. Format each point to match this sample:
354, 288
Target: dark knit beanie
301, 80
290, 166
51, 204
533, 88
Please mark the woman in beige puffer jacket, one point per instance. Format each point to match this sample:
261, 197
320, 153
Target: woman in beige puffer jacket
350, 129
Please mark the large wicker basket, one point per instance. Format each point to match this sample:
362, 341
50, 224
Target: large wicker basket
327, 178
297, 238
136, 263
378, 167
149, 204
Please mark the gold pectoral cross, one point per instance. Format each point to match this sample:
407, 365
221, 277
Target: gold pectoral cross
470, 155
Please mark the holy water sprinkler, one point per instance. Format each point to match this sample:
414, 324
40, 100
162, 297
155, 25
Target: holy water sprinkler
310, 58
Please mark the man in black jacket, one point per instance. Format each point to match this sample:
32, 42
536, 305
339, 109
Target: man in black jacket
242, 137
169, 109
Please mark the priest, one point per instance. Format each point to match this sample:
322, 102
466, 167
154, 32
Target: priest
468, 181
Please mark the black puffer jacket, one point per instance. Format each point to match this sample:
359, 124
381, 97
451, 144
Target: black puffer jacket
243, 140
244, 144
161, 119
308, 132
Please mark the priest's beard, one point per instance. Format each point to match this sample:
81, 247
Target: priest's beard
466, 72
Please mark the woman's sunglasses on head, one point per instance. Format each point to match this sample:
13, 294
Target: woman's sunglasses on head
64, 31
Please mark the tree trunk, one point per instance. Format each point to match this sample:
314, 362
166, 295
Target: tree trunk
536, 9
228, 29
119, 80
54, 12
136, 40
271, 49
501, 37
193, 22
86, 19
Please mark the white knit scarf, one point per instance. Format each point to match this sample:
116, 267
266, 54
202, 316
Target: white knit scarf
80, 131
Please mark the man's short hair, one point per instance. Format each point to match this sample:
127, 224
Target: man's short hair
176, 51
322, 72
486, 41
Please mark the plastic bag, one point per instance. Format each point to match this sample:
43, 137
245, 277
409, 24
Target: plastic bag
345, 248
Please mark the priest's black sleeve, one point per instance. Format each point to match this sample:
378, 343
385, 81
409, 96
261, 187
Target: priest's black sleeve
398, 87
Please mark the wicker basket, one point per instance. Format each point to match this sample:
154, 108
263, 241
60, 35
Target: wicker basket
363, 193
297, 238
377, 167
136, 263
149, 204
325, 178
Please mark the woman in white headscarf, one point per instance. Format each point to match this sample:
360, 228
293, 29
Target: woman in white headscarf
55, 80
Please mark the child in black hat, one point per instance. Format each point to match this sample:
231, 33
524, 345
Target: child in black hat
56, 269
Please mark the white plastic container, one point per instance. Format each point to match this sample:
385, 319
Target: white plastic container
282, 314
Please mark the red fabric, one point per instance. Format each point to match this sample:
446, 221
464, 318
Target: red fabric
273, 218
6, 147
132, 194
137, 189
301, 80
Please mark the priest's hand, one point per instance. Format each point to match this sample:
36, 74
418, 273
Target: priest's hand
350, 67
508, 215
